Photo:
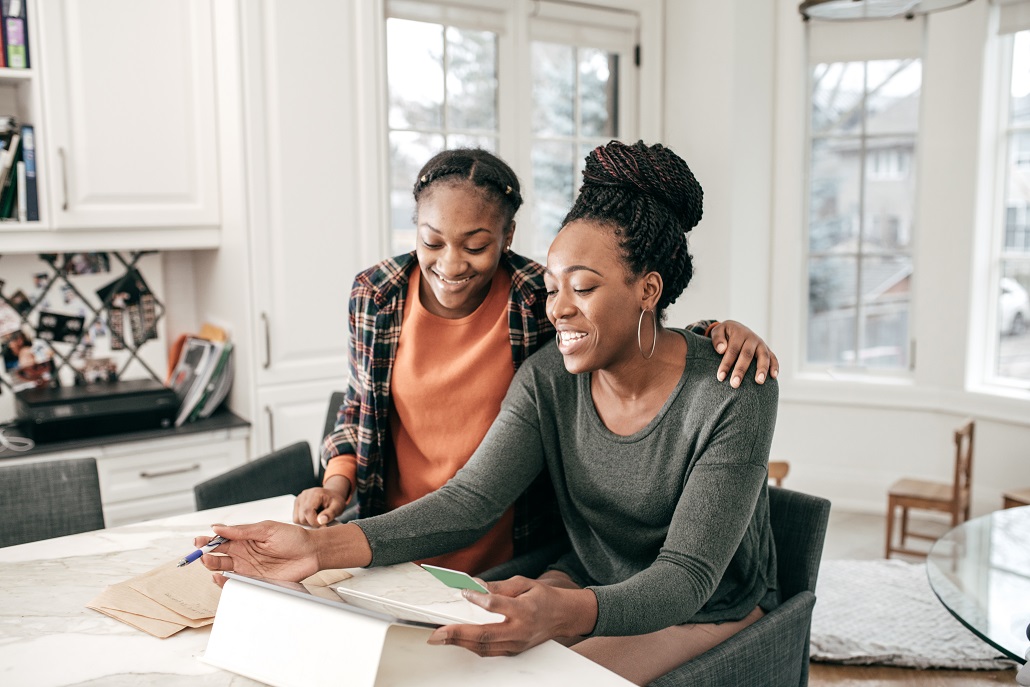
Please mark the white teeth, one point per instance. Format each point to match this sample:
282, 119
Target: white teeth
569, 337
448, 281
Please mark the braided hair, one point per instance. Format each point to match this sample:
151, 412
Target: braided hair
480, 168
651, 199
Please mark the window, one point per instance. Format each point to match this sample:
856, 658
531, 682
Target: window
582, 72
448, 76
442, 83
1011, 249
860, 211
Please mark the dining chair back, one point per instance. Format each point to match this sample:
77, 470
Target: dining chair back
778, 469
773, 650
49, 499
286, 471
917, 494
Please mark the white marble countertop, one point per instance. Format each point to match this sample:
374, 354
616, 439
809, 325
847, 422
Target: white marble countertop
49, 638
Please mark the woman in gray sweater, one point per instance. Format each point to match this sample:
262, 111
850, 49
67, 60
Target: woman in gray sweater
660, 470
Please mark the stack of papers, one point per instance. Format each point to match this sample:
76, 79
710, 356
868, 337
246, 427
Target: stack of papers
168, 599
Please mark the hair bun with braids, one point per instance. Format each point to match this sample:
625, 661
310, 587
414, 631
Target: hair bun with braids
650, 197
654, 171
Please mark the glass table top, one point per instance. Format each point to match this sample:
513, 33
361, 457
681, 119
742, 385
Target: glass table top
980, 571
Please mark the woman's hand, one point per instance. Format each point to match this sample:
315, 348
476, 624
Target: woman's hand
535, 612
267, 549
739, 346
318, 506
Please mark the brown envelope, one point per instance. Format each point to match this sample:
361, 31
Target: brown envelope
188, 591
167, 599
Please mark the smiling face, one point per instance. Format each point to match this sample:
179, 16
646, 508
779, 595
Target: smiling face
462, 234
592, 299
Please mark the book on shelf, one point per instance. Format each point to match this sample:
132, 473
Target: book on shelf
202, 373
15, 35
8, 173
3, 45
19, 182
28, 154
218, 384
7, 157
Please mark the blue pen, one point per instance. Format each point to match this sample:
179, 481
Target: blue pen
206, 548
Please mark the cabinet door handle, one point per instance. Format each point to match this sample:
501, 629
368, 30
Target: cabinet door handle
268, 342
64, 178
166, 473
271, 428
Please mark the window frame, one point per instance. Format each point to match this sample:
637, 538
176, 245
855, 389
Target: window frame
514, 81
826, 44
985, 348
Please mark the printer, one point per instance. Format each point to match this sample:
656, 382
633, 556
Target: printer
76, 412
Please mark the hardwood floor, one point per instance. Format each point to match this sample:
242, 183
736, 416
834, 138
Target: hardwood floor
861, 536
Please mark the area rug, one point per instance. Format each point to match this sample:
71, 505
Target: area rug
883, 612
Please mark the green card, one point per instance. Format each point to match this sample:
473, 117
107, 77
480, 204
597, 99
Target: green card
455, 578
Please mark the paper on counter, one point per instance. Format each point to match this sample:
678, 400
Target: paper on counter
168, 599
188, 591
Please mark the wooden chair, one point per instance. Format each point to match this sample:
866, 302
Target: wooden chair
1015, 498
778, 469
953, 498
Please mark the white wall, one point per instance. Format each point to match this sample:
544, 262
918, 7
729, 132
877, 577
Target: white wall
718, 117
735, 109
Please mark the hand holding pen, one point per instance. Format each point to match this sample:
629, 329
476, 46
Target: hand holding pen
206, 548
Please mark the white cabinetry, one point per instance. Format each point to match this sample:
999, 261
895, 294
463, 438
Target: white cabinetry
129, 113
312, 204
152, 478
155, 478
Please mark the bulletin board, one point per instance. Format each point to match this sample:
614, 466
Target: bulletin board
78, 318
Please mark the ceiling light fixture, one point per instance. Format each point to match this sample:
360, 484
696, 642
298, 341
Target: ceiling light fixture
859, 10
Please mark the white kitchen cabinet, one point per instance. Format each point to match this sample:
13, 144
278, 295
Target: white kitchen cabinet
312, 206
155, 478
129, 114
151, 478
291, 413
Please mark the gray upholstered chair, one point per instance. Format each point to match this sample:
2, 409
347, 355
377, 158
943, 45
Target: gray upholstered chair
49, 499
774, 650
286, 471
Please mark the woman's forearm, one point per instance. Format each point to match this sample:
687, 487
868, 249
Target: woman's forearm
578, 611
341, 547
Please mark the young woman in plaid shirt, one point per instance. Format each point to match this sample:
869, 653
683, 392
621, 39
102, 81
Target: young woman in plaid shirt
428, 374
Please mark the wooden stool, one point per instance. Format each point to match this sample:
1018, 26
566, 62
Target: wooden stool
1016, 498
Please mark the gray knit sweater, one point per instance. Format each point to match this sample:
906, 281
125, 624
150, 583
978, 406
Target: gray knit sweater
668, 525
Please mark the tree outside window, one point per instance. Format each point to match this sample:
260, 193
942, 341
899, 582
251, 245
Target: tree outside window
443, 94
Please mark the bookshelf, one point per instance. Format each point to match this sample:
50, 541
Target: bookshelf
21, 98
126, 149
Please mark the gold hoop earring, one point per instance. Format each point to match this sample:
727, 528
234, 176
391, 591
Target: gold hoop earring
654, 341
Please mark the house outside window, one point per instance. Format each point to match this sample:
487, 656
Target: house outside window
861, 196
